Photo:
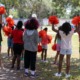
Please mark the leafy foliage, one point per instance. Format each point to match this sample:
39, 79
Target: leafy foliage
43, 8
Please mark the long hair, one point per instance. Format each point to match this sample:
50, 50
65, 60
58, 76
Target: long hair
66, 28
19, 25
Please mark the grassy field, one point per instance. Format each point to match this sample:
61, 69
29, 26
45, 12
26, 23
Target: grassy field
46, 70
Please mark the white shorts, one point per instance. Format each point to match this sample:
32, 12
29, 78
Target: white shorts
44, 46
66, 51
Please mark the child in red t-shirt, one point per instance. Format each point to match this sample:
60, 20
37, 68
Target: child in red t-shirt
44, 43
1, 65
17, 35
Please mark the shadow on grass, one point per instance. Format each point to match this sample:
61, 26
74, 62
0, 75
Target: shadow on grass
45, 71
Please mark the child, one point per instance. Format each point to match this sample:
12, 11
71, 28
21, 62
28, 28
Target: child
66, 35
0, 47
10, 45
58, 42
44, 43
17, 36
22, 54
30, 38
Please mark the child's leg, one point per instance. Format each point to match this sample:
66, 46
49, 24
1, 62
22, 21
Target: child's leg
42, 54
8, 50
0, 58
12, 52
33, 62
60, 63
45, 56
22, 55
56, 57
18, 61
9, 46
0, 62
26, 61
19, 52
68, 64
13, 60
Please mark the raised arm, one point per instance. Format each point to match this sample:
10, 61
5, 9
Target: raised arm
77, 29
53, 28
55, 38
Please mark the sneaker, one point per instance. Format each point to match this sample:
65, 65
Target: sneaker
58, 74
55, 63
67, 75
45, 61
33, 76
42, 60
26, 74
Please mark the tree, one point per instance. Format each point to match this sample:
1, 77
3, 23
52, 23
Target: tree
43, 8
8, 5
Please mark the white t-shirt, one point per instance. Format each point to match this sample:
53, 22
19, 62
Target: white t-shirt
66, 39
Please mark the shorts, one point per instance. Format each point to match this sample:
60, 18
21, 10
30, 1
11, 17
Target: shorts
44, 46
10, 42
17, 48
66, 51
58, 47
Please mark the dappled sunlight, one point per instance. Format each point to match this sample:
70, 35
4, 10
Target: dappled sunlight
45, 70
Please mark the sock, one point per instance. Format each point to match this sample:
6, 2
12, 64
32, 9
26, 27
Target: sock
26, 70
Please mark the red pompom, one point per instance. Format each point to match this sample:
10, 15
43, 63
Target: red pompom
2, 10
42, 33
54, 47
10, 21
76, 20
39, 48
53, 20
7, 30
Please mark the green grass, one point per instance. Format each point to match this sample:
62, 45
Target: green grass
46, 70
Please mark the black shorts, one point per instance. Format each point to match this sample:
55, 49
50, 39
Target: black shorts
17, 48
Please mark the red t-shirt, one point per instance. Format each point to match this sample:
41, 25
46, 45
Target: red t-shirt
45, 40
17, 36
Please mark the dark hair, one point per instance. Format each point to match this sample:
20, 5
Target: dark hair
19, 25
66, 28
32, 24
45, 29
